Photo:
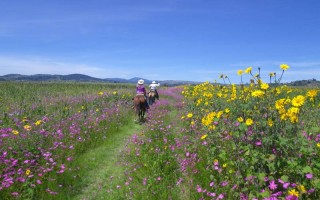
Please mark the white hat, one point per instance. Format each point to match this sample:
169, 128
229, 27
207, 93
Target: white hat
153, 82
140, 82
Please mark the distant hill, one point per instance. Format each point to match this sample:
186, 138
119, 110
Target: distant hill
309, 83
134, 80
86, 78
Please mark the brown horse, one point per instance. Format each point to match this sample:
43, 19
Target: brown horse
151, 97
140, 107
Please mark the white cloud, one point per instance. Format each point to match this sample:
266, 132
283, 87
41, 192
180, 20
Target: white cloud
29, 66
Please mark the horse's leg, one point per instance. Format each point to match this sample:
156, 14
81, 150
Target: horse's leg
142, 111
149, 101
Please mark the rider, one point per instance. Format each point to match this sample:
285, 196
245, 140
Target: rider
142, 90
153, 87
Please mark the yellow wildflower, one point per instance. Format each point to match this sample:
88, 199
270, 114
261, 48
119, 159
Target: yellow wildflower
284, 66
15, 132
248, 70
219, 114
240, 119
189, 115
37, 123
264, 86
293, 118
294, 110
280, 104
240, 72
28, 172
100, 93
204, 136
224, 165
298, 101
293, 192
227, 110
115, 92
257, 93
27, 127
302, 188
312, 93
249, 122
318, 145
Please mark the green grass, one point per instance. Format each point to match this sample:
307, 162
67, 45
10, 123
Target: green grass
99, 164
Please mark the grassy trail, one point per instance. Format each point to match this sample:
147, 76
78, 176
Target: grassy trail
103, 162
100, 164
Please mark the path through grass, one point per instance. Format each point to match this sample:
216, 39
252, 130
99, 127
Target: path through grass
101, 164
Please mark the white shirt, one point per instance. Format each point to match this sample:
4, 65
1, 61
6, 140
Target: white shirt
153, 86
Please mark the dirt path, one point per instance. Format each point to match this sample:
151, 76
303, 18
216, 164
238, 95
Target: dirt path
103, 164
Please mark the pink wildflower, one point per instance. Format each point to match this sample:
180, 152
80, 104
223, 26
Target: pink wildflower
199, 189
272, 185
309, 176
286, 185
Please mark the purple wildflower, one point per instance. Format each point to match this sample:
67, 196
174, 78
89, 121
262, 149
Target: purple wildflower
309, 176
273, 185
291, 197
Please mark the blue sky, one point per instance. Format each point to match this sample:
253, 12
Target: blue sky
161, 39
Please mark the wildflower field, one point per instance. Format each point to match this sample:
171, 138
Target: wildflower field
206, 141
254, 141
44, 127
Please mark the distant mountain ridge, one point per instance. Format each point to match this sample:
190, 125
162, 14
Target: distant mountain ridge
86, 78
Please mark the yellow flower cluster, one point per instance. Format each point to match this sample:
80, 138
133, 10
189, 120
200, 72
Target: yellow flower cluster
281, 99
291, 112
258, 93
208, 120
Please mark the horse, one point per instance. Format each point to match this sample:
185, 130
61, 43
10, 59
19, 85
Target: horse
151, 97
140, 107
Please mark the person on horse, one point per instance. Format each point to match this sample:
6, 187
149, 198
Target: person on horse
141, 90
153, 87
